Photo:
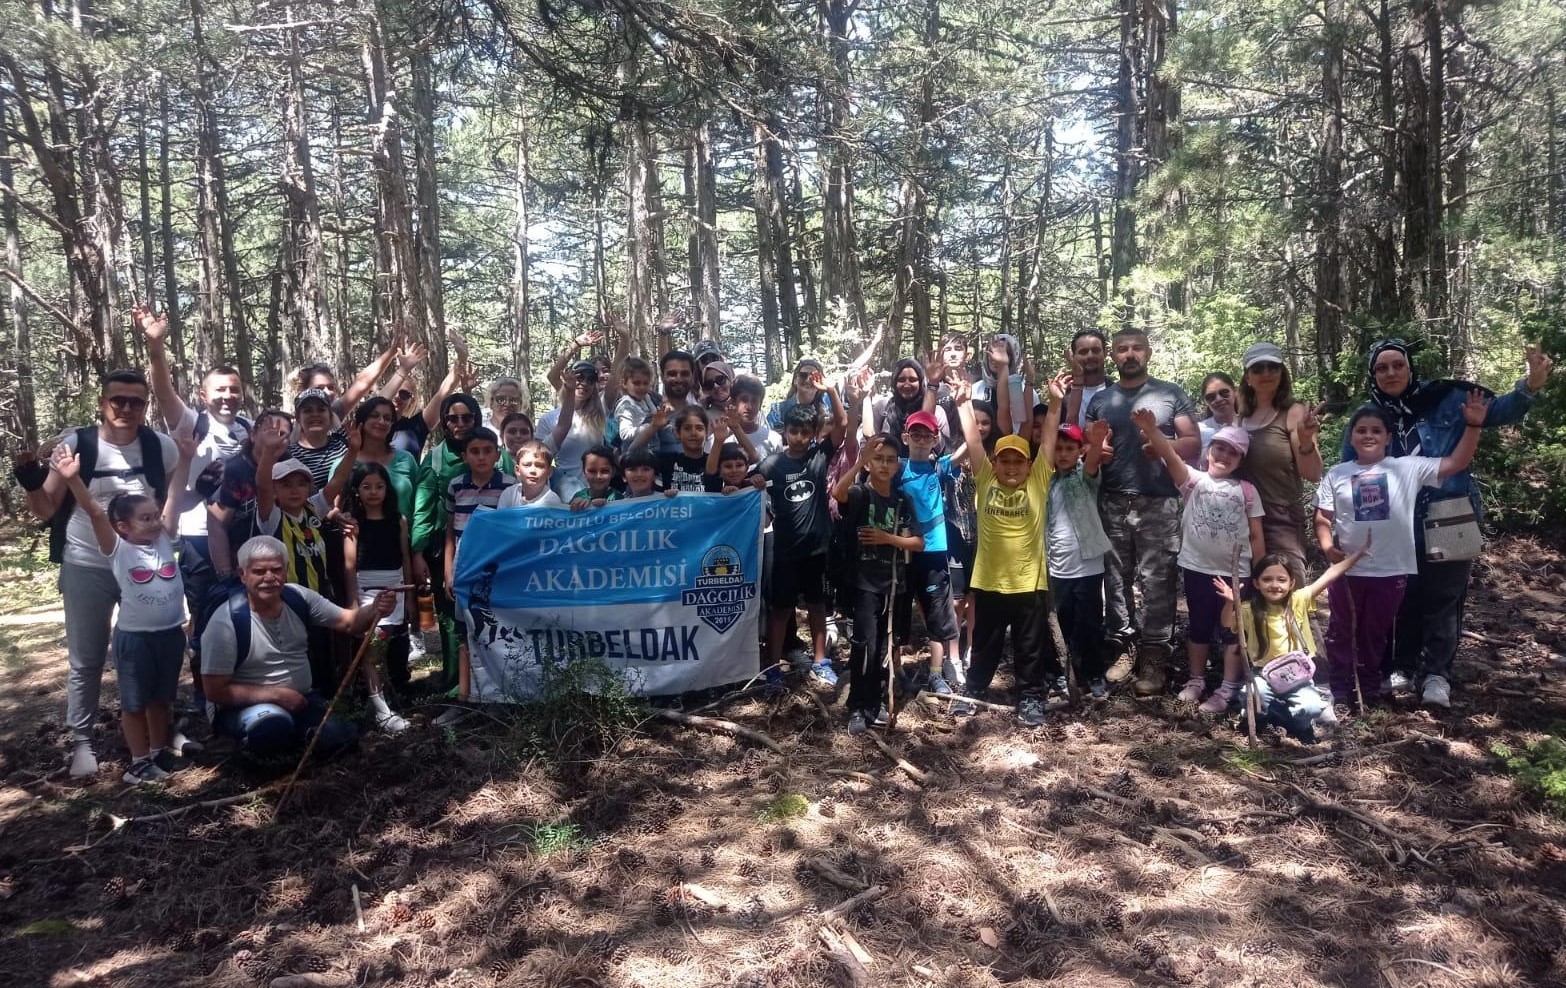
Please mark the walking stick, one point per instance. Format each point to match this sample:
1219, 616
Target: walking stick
1353, 609
1245, 653
1073, 687
353, 667
890, 663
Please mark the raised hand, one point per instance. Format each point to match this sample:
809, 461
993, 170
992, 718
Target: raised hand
858, 382
999, 356
721, 429
65, 462
934, 366
1060, 386
867, 449
155, 326
1539, 365
1225, 588
1098, 431
269, 446
1145, 420
660, 418
1310, 425
962, 392
1476, 408
458, 343
355, 435
589, 338
186, 443
412, 357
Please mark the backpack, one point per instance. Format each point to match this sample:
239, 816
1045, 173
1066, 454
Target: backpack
87, 448
239, 615
204, 425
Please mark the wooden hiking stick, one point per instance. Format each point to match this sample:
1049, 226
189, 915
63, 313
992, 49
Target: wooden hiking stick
1073, 688
1245, 653
1353, 609
892, 710
353, 667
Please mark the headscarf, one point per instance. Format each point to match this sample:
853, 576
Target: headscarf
1416, 401
460, 399
897, 408
1013, 353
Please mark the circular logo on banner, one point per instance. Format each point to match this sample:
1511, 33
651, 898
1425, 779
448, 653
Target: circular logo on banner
721, 589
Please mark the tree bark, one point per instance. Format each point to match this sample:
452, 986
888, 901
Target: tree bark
703, 192
1122, 241
521, 301
303, 291
1331, 297
432, 326
775, 353
172, 307
21, 332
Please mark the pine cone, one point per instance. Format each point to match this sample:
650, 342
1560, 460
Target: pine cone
620, 954
709, 856
752, 979
747, 867
1114, 919
631, 860
114, 890
1124, 786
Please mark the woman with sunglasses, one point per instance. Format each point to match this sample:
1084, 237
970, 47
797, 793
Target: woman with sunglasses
134, 534
1218, 394
1283, 451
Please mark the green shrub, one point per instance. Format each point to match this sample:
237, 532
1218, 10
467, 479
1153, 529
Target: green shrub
1541, 766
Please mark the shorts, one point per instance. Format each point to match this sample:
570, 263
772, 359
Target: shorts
1205, 607
148, 664
798, 579
929, 583
957, 573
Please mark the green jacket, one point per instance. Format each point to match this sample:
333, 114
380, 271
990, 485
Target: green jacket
441, 466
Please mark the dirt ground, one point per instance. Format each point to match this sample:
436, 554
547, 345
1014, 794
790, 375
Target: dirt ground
1128, 843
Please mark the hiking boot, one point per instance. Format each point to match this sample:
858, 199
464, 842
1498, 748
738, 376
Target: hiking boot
772, 682
452, 716
1151, 676
1192, 690
1220, 701
823, 673
882, 717
1030, 712
964, 707
1397, 682
166, 760
1437, 692
142, 772
857, 724
84, 761
1062, 687
184, 747
1124, 665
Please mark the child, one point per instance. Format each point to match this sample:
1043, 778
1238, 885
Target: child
376, 556
638, 403
516, 430
748, 393
289, 509
598, 466
1274, 620
962, 526
1009, 581
682, 469
876, 511
796, 479
477, 488
1377, 494
639, 470
728, 468
1076, 547
1221, 514
535, 465
922, 478
149, 634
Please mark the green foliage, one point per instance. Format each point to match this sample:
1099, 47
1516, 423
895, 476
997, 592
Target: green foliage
580, 709
1540, 766
1521, 472
52, 928
784, 807
549, 838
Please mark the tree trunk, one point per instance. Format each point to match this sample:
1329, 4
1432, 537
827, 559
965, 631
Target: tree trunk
703, 194
433, 324
1386, 288
1122, 244
173, 309
521, 302
840, 283
1459, 289
21, 333
775, 351
1331, 297
302, 211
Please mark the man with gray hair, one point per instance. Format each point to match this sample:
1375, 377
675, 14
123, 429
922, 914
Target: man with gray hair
255, 660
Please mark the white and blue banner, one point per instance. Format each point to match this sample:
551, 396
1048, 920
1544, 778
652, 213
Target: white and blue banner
665, 589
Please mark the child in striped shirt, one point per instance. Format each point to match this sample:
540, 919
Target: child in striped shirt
477, 488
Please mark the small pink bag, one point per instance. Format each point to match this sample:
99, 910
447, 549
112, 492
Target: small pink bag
1289, 672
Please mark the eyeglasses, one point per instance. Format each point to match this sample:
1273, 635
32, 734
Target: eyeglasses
459, 418
128, 403
144, 574
1222, 394
1266, 367
716, 381
506, 400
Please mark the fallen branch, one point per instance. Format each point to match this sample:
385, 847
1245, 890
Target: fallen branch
1487, 640
721, 726
858, 975
1105, 794
832, 874
1329, 806
851, 903
205, 804
958, 697
1327, 756
916, 773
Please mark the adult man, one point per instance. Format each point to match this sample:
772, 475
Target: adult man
255, 663
1086, 356
125, 457
220, 432
1140, 506
678, 369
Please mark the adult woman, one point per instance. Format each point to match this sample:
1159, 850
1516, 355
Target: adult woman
321, 377
375, 417
1428, 421
586, 425
1283, 453
1218, 396
505, 397
888, 412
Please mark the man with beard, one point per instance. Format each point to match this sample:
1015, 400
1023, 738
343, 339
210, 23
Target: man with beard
1086, 355
1140, 506
678, 369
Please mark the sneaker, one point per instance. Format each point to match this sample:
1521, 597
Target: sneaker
184, 747
1099, 688
1192, 690
857, 723
1030, 712
450, 717
797, 656
939, 685
1152, 675
1123, 667
1329, 714
84, 761
823, 673
415, 647
1397, 682
1437, 692
392, 722
964, 707
882, 717
1220, 700
831, 633
772, 682
1061, 687
167, 761
142, 772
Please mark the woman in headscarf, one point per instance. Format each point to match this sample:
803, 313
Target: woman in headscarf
1283, 453
1428, 421
911, 392
1023, 397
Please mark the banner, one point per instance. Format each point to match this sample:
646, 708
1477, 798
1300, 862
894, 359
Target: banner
666, 589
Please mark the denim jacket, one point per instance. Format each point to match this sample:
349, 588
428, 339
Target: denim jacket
1080, 493
1439, 433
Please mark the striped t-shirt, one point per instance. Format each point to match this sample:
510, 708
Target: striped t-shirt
464, 497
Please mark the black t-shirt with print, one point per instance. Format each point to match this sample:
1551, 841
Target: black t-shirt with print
798, 489
874, 565
678, 472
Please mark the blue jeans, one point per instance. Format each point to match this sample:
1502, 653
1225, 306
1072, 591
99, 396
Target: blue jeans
1295, 711
267, 729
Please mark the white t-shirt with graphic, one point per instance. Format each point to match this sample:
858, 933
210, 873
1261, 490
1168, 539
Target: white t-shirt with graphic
1217, 518
1377, 501
152, 594
220, 442
117, 471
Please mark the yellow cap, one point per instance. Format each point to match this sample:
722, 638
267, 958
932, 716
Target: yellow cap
1016, 444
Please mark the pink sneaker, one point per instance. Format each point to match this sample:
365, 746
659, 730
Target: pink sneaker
1192, 691
1219, 702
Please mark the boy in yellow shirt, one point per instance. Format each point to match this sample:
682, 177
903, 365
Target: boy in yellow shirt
1011, 495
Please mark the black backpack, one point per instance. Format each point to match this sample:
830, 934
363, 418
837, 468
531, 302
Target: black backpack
204, 425
87, 448
239, 614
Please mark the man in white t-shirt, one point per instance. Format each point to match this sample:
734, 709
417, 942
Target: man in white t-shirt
1087, 354
258, 671
220, 433
88, 590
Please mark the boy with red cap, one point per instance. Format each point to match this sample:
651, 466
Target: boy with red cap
921, 478
1222, 513
1076, 544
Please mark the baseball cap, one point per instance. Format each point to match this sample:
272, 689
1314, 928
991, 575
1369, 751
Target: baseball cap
706, 350
312, 394
1262, 353
1015, 444
1233, 435
1072, 431
284, 468
585, 370
920, 418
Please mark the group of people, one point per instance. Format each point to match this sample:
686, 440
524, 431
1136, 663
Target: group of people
996, 503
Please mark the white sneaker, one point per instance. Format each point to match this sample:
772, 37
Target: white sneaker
1192, 691
416, 646
392, 722
1397, 682
143, 771
84, 761
1437, 692
1329, 715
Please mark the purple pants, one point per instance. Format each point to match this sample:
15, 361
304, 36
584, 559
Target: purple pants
1363, 611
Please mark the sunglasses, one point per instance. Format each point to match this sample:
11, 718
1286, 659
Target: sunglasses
144, 574
459, 418
128, 403
1267, 367
405, 396
505, 400
716, 381
1222, 394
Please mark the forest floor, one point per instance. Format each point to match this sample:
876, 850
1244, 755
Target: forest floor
1126, 843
